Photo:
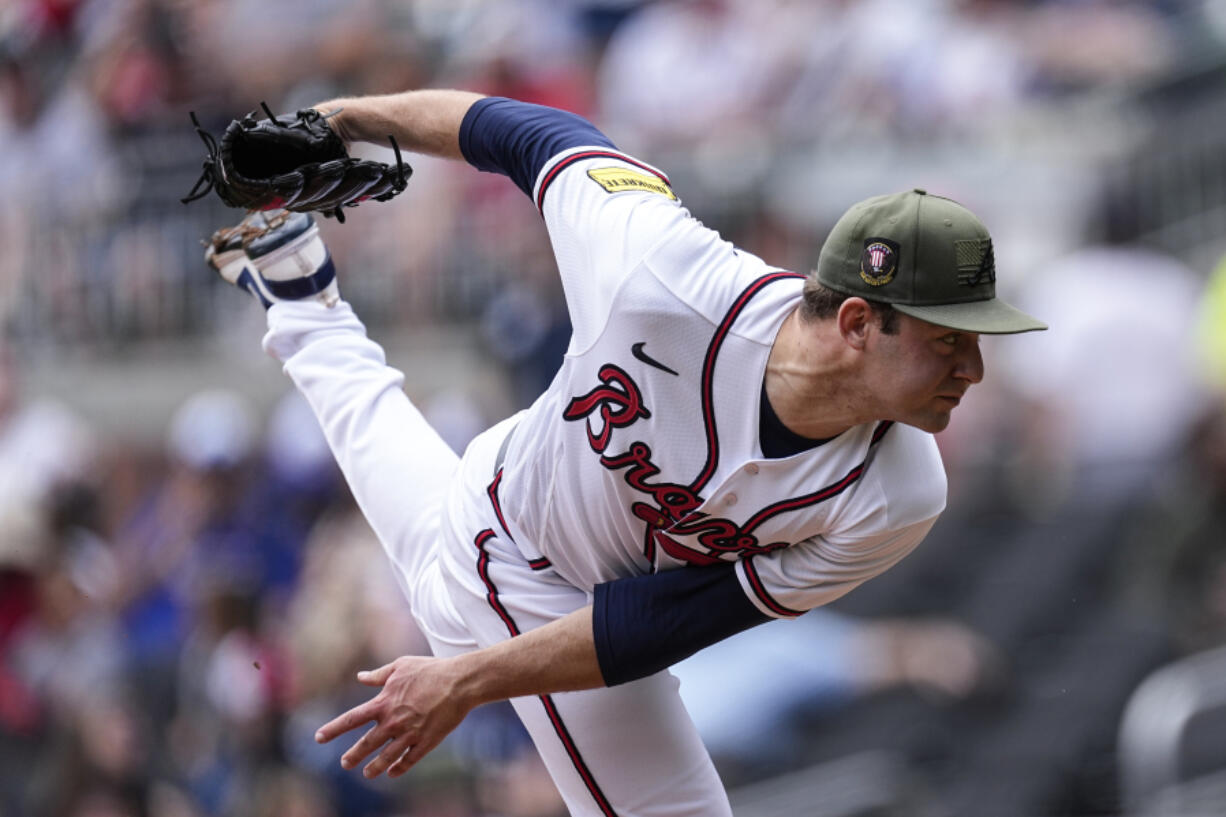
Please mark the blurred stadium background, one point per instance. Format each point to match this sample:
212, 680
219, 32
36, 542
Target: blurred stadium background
186, 588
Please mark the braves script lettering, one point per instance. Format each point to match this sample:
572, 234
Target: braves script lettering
618, 403
618, 399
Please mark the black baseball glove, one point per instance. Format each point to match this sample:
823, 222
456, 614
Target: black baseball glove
296, 163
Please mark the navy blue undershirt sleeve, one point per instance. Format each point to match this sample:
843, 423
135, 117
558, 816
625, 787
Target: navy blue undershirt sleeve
517, 139
644, 624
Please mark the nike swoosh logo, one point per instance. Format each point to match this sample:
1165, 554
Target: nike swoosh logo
637, 351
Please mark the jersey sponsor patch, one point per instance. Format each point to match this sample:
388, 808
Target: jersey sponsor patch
621, 179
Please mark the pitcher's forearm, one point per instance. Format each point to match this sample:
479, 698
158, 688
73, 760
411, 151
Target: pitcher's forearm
559, 657
426, 122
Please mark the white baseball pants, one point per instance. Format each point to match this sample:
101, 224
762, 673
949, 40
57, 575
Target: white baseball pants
630, 750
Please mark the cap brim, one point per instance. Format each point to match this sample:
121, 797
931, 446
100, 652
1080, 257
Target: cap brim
991, 317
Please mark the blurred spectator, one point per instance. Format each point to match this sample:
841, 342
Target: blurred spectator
47, 462
1131, 41
528, 332
44, 445
456, 417
191, 534
686, 71
1131, 355
1172, 567
821, 662
61, 653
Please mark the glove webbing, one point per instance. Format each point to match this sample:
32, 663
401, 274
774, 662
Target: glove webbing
208, 175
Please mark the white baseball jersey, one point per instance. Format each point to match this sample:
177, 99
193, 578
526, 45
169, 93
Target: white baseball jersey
644, 454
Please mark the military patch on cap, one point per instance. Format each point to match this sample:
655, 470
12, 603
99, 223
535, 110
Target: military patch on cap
976, 262
879, 261
621, 179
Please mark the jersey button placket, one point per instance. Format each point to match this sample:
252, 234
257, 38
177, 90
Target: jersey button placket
730, 500
751, 469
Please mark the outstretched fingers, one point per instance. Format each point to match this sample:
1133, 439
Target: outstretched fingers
377, 677
409, 759
378, 735
390, 755
417, 707
352, 719
363, 713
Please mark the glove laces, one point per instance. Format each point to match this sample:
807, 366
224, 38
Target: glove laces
208, 176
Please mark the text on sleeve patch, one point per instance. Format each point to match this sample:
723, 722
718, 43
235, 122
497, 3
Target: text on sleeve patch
621, 179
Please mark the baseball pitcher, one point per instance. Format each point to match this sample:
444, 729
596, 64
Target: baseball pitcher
726, 443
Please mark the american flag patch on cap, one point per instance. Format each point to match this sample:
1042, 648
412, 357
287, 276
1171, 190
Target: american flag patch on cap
976, 262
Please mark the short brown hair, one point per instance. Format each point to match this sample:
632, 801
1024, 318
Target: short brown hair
822, 303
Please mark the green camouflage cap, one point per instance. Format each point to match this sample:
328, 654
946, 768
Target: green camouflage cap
926, 255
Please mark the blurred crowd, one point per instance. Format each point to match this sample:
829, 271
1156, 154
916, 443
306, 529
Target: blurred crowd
181, 608
750, 105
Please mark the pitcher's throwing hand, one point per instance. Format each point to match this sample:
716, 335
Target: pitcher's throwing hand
419, 704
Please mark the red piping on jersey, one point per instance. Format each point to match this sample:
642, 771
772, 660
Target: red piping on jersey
590, 154
759, 590
880, 431
798, 502
483, 570
708, 372
536, 564
682, 553
568, 743
751, 572
498, 508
